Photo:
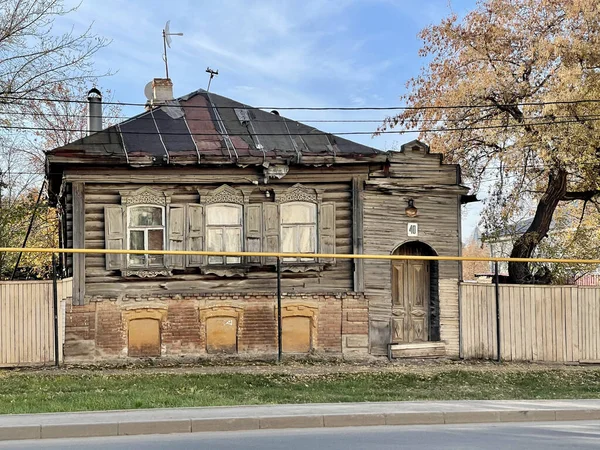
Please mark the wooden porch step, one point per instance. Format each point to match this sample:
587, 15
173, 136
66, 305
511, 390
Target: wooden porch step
418, 350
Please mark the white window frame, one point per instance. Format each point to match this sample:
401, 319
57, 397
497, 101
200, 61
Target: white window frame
296, 226
224, 260
145, 229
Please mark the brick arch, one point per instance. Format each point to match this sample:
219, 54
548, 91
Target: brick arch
300, 319
414, 247
221, 327
143, 331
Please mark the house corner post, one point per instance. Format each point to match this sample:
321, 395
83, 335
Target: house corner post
279, 327
357, 232
78, 190
55, 312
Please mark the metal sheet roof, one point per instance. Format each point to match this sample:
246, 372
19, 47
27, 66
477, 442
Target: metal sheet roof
204, 127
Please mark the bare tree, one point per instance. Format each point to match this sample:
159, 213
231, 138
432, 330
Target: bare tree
41, 71
33, 60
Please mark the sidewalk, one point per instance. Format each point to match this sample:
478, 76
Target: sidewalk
234, 418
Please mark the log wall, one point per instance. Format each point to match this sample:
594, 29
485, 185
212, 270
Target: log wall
420, 176
102, 190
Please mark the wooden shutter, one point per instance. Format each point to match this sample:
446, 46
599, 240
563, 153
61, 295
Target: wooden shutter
270, 230
176, 230
195, 235
327, 231
254, 231
114, 236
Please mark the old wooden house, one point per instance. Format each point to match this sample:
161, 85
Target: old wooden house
204, 172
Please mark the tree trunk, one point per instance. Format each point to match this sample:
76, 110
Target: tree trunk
520, 272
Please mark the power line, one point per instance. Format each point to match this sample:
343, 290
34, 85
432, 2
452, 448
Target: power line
317, 133
378, 121
327, 108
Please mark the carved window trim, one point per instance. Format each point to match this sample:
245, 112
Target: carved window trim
225, 261
299, 193
296, 226
145, 196
224, 195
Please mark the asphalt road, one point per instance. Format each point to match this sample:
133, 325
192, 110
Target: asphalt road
531, 436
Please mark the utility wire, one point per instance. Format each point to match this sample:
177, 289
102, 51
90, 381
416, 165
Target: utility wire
379, 121
323, 108
316, 133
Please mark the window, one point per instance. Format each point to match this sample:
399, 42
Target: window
146, 231
224, 232
298, 229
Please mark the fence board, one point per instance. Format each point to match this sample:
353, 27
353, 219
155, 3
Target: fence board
537, 323
27, 321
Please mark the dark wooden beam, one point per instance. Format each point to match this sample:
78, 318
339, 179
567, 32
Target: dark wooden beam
357, 232
78, 190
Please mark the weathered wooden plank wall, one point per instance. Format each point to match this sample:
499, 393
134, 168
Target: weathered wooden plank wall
537, 323
422, 178
27, 321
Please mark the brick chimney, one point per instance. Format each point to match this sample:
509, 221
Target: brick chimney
162, 91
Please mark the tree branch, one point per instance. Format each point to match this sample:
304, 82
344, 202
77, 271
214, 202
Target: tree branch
580, 195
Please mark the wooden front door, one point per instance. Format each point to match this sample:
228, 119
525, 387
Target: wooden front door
410, 305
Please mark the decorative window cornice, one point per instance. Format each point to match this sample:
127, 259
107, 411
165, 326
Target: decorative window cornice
144, 196
224, 194
298, 193
147, 273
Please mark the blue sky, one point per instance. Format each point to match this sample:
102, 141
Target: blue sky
271, 53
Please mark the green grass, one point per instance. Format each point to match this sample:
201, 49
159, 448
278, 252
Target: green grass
32, 393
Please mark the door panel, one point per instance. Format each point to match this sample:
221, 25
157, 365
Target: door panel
410, 301
398, 334
417, 283
399, 285
418, 329
418, 297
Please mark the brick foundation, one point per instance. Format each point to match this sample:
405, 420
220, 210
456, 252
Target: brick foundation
246, 324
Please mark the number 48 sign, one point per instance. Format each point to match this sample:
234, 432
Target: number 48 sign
413, 230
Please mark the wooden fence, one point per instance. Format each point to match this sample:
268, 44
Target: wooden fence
537, 323
27, 321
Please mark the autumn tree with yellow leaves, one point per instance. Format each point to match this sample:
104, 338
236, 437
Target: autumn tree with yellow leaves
513, 89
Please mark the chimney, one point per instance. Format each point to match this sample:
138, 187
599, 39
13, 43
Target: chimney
162, 91
94, 111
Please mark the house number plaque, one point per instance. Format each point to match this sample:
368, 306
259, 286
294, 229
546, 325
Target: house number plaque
413, 230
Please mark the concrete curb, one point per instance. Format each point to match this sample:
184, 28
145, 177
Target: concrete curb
199, 425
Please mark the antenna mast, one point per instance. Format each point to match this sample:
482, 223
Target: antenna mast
167, 43
212, 75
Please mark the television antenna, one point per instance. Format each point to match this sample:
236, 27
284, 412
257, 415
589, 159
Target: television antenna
167, 43
212, 75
